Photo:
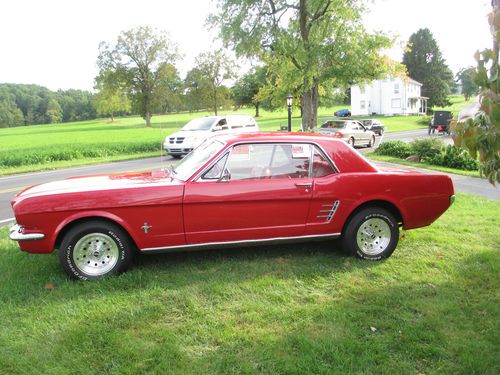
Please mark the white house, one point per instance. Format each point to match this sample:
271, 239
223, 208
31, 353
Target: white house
390, 96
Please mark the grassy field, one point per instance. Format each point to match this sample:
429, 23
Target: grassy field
391, 159
38, 147
432, 308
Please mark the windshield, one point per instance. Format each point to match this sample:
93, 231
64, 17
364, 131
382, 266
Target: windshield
333, 125
195, 160
204, 123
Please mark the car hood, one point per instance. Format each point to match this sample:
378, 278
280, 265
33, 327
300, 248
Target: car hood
99, 182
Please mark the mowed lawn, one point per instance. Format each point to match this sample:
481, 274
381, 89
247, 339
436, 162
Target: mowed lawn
432, 308
39, 147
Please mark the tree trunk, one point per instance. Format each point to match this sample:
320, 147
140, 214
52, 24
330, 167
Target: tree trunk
256, 109
215, 101
309, 100
147, 117
112, 118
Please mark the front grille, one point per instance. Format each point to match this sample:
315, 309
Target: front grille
173, 140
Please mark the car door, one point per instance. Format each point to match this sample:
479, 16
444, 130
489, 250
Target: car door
264, 193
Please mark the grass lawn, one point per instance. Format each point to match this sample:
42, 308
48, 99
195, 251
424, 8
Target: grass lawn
392, 159
432, 308
38, 147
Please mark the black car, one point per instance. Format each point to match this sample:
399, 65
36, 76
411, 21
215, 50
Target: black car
440, 122
374, 125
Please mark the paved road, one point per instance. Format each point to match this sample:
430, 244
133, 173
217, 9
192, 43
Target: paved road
10, 185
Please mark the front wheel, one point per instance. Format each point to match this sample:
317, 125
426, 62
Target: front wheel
371, 233
372, 141
95, 249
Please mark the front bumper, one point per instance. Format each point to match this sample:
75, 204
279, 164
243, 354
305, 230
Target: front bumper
16, 233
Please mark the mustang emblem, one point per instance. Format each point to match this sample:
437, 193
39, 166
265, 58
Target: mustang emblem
146, 227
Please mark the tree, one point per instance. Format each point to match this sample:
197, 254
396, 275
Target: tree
137, 60
54, 112
304, 43
196, 90
10, 114
216, 68
246, 89
111, 97
466, 78
168, 92
425, 64
479, 133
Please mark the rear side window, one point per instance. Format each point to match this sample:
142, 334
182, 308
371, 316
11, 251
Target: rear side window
321, 165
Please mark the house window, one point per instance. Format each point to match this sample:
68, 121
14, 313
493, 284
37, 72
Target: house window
362, 104
362, 90
396, 88
396, 103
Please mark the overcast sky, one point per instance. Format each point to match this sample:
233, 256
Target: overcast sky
54, 43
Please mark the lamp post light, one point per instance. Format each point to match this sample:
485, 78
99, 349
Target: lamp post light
289, 99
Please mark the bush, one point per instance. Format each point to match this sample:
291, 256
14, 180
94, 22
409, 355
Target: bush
454, 157
427, 148
398, 149
425, 120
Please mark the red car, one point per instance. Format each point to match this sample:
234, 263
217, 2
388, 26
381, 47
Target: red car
232, 190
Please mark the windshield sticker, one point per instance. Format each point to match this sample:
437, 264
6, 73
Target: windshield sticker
241, 152
300, 151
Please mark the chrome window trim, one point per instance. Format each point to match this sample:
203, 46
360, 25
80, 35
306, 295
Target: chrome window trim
197, 176
208, 245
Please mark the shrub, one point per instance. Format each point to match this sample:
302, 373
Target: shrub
427, 148
454, 157
398, 149
425, 120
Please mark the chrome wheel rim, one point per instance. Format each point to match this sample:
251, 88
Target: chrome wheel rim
95, 254
373, 236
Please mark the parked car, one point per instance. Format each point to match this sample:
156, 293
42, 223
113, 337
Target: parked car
196, 131
233, 190
352, 132
441, 122
374, 125
342, 113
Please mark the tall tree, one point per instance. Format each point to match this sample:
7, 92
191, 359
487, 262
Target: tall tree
305, 43
480, 132
466, 78
216, 68
168, 92
137, 59
425, 64
246, 89
111, 97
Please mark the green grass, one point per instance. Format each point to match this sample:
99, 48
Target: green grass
300, 309
391, 159
38, 147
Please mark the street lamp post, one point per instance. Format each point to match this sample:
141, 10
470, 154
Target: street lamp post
289, 99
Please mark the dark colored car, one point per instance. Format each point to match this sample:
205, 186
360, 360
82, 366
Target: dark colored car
374, 125
440, 122
342, 113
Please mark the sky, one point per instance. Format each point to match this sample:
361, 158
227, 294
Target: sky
54, 43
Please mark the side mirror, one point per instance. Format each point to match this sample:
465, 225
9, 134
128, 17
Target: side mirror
226, 176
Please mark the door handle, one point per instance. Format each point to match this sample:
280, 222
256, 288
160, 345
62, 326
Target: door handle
307, 185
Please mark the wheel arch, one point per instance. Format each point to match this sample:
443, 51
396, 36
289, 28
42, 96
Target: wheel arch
385, 204
70, 223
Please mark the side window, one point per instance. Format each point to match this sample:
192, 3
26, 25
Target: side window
221, 125
321, 165
215, 172
269, 161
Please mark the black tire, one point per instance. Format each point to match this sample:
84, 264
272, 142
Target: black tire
372, 141
110, 249
350, 142
429, 131
375, 219
176, 156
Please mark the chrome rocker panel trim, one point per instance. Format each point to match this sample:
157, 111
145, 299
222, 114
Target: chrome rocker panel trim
242, 243
15, 234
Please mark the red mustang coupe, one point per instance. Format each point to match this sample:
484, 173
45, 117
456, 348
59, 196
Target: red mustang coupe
231, 190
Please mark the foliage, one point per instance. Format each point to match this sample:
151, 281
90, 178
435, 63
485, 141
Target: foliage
480, 133
10, 114
424, 120
397, 149
466, 78
111, 97
137, 60
425, 63
427, 148
246, 90
454, 157
305, 44
215, 68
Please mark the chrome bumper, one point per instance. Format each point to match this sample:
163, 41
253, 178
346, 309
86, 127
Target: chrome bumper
16, 234
452, 199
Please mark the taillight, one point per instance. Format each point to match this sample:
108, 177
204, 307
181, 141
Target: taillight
338, 135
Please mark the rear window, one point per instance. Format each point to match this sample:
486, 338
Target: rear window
333, 125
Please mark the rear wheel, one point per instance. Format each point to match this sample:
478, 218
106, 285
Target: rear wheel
350, 142
95, 249
371, 233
